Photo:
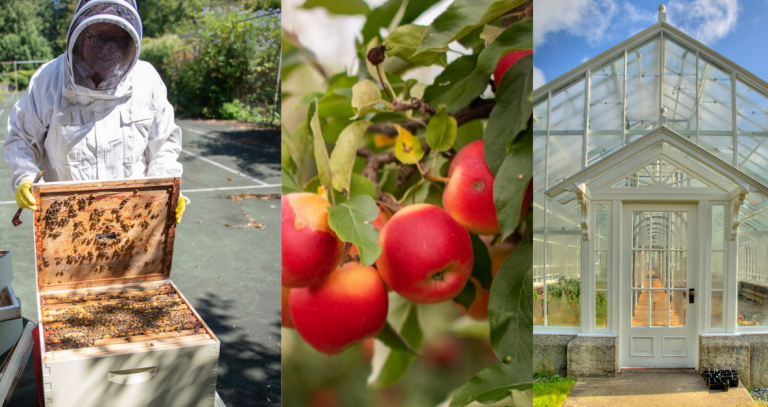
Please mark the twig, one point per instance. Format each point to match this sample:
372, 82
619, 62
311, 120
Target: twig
478, 109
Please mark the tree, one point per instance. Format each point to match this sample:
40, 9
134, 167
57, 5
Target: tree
20, 33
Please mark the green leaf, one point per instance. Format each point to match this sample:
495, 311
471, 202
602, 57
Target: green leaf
360, 185
300, 147
459, 84
467, 295
389, 365
288, 182
408, 147
468, 327
493, 384
285, 152
511, 182
481, 269
351, 221
390, 337
518, 36
461, 18
336, 102
307, 99
386, 14
366, 97
441, 131
491, 32
473, 41
343, 155
468, 132
321, 153
514, 104
347, 7
510, 309
404, 41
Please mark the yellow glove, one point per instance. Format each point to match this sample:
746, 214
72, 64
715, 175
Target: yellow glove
24, 197
179, 209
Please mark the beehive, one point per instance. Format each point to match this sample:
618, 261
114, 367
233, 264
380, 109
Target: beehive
114, 329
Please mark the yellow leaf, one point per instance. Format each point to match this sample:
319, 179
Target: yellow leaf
322, 191
408, 147
382, 140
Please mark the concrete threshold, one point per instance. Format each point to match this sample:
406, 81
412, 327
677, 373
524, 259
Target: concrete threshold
652, 388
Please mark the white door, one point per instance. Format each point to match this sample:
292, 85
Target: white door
659, 267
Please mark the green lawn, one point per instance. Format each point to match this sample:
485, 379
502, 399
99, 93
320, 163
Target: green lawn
551, 391
759, 403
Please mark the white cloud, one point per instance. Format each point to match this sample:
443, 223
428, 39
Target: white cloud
706, 20
538, 78
589, 19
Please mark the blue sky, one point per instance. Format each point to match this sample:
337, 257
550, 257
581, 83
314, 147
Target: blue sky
569, 32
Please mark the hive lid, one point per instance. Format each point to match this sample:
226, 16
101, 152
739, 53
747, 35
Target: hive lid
101, 233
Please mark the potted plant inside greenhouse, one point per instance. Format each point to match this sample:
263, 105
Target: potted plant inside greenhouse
651, 212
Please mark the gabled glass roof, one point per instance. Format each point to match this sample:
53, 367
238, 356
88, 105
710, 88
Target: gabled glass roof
660, 172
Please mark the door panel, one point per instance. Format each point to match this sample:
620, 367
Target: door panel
659, 246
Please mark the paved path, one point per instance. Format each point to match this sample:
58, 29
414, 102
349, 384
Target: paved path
231, 275
652, 388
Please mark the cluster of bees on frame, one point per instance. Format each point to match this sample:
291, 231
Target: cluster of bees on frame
98, 235
104, 319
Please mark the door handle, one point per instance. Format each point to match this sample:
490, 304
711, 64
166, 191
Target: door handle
691, 293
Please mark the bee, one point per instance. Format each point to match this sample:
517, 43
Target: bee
135, 191
146, 248
56, 234
72, 213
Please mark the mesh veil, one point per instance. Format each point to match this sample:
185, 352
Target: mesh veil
113, 63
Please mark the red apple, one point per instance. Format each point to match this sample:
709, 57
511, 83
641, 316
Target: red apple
506, 62
285, 312
347, 307
443, 351
426, 255
310, 249
468, 196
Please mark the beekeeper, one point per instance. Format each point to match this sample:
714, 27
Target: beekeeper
96, 112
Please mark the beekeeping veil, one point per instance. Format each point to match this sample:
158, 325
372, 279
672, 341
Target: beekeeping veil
112, 62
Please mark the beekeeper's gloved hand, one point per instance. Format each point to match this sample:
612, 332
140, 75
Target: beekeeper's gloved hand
180, 208
24, 197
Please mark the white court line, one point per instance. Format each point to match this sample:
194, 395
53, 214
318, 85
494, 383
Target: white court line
1, 111
228, 188
223, 167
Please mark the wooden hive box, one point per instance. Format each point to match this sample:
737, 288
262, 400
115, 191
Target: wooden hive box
114, 330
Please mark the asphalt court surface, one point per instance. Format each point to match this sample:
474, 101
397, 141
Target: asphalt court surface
227, 269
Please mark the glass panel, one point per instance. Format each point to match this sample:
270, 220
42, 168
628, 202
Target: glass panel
540, 115
643, 99
717, 227
752, 265
679, 230
601, 270
563, 303
717, 270
563, 218
601, 227
715, 100
641, 222
640, 303
679, 87
606, 96
564, 157
640, 269
601, 146
538, 278
601, 309
659, 308
720, 146
660, 230
568, 108
678, 263
658, 266
716, 320
751, 109
677, 305
539, 186
753, 156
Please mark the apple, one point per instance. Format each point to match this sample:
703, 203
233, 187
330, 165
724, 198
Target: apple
310, 249
285, 312
349, 306
506, 62
426, 255
468, 196
479, 308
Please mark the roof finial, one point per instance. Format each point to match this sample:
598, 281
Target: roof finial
662, 13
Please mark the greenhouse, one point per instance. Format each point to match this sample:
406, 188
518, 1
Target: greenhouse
651, 211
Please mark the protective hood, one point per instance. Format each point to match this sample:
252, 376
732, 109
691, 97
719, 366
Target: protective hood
102, 57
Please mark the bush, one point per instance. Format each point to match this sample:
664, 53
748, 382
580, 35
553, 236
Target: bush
221, 62
24, 77
237, 110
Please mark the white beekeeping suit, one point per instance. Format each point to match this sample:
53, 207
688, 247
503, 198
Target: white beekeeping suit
87, 117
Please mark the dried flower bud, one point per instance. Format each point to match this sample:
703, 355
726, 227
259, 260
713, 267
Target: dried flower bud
376, 55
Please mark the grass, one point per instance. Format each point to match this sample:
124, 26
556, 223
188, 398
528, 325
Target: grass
551, 391
759, 403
